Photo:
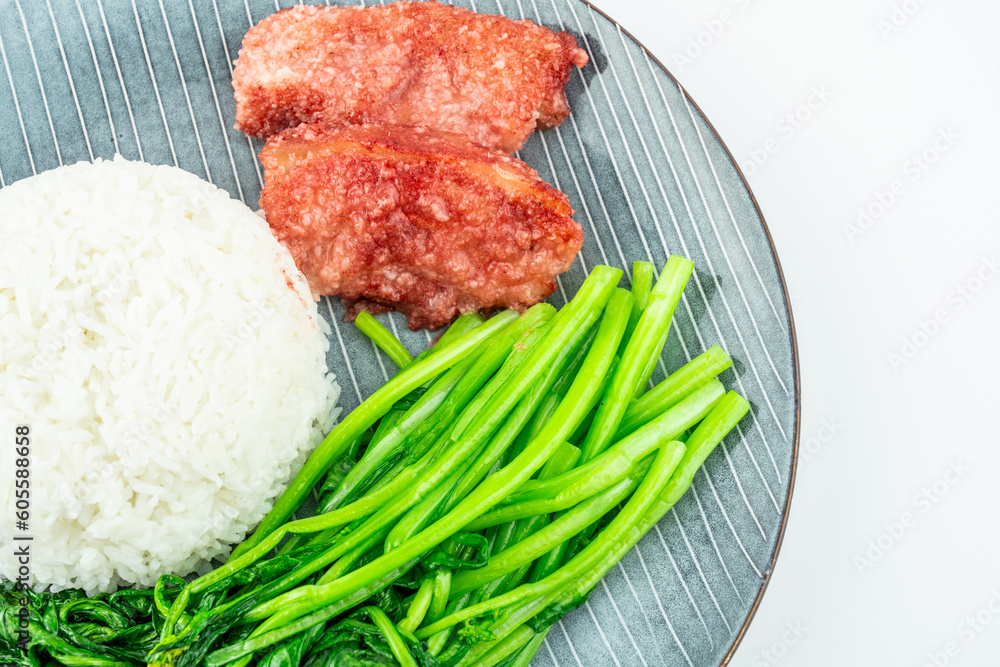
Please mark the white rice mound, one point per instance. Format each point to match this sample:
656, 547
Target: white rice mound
170, 362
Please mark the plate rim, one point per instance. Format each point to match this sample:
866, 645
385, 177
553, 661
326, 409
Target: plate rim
792, 335
782, 282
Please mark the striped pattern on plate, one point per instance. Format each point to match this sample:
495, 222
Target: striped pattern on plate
648, 176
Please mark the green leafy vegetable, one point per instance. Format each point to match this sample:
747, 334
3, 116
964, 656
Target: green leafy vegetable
464, 508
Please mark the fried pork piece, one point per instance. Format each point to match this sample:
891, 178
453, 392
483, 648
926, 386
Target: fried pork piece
416, 63
390, 216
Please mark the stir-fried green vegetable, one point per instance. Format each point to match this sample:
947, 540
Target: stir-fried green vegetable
68, 628
463, 508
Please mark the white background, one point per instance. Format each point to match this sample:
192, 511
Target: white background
888, 558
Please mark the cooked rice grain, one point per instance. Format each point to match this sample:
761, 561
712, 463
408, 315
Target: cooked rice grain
169, 360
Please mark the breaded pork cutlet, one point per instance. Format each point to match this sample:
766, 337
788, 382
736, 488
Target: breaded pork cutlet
488, 77
415, 219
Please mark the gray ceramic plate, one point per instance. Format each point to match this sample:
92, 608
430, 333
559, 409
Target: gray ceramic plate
647, 175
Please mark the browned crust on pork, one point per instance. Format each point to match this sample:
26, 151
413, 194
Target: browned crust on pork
488, 77
415, 219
